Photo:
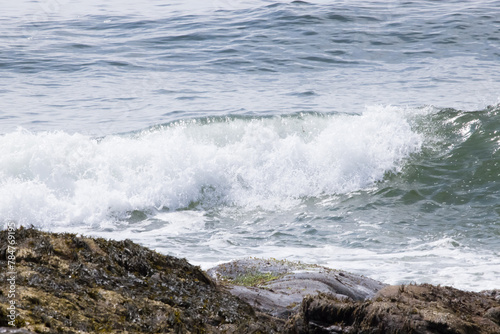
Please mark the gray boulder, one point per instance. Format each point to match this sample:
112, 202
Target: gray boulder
278, 287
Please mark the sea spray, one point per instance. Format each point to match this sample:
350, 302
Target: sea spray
274, 162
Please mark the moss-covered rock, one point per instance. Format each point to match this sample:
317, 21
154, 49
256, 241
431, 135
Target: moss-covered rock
71, 284
68, 284
401, 309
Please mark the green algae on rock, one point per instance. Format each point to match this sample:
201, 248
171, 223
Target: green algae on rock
66, 283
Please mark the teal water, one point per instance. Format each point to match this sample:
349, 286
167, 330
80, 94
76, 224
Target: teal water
358, 135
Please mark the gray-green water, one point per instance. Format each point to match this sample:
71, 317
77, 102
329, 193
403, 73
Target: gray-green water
359, 135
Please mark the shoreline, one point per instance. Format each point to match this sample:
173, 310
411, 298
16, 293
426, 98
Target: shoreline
68, 283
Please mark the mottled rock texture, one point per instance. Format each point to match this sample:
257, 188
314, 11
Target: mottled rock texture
71, 284
401, 309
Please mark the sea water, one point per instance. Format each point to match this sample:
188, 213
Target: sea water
360, 135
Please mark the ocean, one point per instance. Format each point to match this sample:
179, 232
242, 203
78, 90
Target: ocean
358, 135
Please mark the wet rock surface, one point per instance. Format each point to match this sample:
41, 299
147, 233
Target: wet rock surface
401, 309
278, 287
71, 284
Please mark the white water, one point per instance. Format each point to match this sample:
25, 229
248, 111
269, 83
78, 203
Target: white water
265, 181
54, 178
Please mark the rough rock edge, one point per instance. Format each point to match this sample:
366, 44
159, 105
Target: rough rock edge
67, 283
401, 309
75, 284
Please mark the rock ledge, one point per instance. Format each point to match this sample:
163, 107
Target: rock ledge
71, 284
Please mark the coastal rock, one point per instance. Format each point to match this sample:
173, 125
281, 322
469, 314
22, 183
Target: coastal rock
400, 309
278, 287
66, 283
71, 284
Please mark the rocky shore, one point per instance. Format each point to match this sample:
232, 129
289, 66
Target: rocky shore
66, 283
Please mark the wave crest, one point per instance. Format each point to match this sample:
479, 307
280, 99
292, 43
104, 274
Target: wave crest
257, 162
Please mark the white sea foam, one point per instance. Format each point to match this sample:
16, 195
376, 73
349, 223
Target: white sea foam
56, 178
439, 262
